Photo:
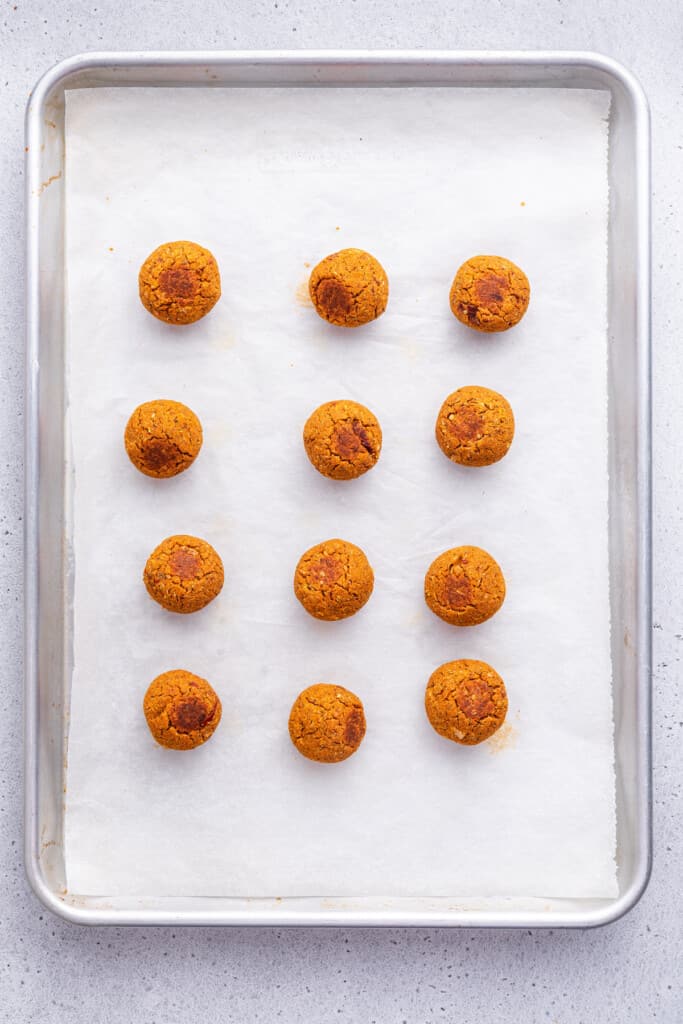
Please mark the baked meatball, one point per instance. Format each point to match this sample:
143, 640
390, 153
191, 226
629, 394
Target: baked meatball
475, 426
489, 293
163, 438
182, 710
342, 439
179, 282
327, 723
464, 586
333, 580
183, 574
349, 288
466, 701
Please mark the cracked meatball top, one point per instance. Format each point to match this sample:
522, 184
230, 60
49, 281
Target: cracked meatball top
466, 701
489, 293
464, 586
342, 439
179, 282
183, 574
333, 580
182, 710
327, 723
475, 426
349, 288
162, 438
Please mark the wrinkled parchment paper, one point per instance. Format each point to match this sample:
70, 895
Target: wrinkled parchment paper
272, 180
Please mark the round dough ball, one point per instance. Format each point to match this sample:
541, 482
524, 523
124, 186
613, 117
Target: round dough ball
183, 574
464, 586
163, 438
333, 580
466, 701
349, 288
342, 439
182, 710
475, 426
489, 293
327, 723
179, 282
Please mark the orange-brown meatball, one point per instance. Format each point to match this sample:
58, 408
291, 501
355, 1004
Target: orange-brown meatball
342, 439
475, 426
333, 580
179, 282
183, 574
327, 723
489, 293
182, 710
349, 288
464, 586
466, 701
163, 438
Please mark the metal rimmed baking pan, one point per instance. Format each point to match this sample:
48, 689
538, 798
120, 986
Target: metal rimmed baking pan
48, 636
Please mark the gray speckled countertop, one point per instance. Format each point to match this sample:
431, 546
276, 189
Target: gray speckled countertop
51, 971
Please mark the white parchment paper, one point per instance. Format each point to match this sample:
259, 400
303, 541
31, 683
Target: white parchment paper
272, 180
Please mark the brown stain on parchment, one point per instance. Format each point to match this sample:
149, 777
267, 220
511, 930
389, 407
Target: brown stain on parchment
504, 739
302, 295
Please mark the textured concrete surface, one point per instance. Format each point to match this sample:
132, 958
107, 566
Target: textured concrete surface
50, 971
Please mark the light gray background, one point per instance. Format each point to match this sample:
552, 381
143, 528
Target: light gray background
51, 971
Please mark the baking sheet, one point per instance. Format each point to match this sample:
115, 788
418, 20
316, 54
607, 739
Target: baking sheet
271, 180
